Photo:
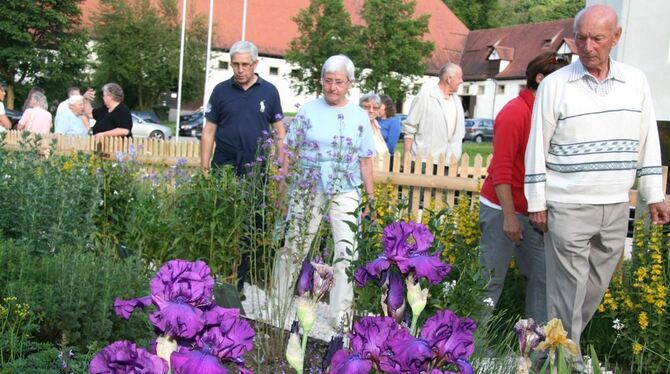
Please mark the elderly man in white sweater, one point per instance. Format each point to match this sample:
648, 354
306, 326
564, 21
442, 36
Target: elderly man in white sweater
593, 132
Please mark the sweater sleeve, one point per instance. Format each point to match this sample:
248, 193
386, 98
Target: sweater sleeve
415, 115
649, 159
543, 124
506, 142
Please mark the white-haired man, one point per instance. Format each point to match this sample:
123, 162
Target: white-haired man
72, 120
593, 130
435, 124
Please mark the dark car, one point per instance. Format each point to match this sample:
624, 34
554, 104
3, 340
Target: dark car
478, 129
14, 116
191, 124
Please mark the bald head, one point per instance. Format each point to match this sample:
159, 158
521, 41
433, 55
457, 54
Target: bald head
596, 33
602, 13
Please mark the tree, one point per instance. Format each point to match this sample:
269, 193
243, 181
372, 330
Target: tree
325, 29
394, 52
137, 44
42, 44
475, 14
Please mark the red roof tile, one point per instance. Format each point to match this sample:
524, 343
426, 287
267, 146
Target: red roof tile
518, 44
270, 27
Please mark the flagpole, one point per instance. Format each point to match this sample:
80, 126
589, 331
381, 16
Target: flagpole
181, 64
209, 56
244, 20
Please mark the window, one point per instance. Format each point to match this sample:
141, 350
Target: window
274, 71
223, 65
480, 89
500, 89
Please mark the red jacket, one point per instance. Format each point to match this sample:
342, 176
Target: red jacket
510, 131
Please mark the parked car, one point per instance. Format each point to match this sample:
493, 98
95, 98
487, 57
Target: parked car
191, 124
478, 129
146, 129
14, 116
148, 116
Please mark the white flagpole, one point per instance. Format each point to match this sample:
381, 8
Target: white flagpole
181, 63
244, 20
209, 55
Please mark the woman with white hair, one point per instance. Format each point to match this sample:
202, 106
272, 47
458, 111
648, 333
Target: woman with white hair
37, 118
334, 160
72, 120
371, 103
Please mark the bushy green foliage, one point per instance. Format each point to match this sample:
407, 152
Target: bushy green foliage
73, 292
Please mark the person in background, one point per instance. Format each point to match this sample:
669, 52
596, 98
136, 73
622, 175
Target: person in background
503, 213
113, 118
5, 123
36, 119
332, 118
88, 96
593, 132
72, 120
371, 103
26, 104
388, 122
435, 124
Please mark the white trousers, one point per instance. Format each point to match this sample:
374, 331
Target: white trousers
304, 219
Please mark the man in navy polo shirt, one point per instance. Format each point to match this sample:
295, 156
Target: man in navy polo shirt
239, 109
238, 112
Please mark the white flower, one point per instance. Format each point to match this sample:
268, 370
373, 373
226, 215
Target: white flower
449, 286
7, 176
116, 192
416, 297
617, 325
164, 347
488, 301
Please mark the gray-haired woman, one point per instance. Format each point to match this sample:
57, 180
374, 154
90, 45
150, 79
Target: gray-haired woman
112, 119
37, 118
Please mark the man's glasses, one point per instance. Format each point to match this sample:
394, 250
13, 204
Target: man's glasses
242, 65
336, 83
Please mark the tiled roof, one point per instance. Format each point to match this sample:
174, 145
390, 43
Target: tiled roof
516, 44
270, 27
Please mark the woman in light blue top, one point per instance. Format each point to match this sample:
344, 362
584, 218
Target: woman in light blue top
72, 120
336, 146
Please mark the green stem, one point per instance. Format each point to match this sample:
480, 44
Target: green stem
415, 322
304, 348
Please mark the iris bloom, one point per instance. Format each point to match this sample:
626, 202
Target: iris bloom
556, 336
450, 337
407, 354
529, 335
370, 337
305, 278
125, 357
349, 363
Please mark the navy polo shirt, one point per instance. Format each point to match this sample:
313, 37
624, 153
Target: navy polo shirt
241, 116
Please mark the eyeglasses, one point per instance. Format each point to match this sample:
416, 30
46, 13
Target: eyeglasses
242, 65
336, 83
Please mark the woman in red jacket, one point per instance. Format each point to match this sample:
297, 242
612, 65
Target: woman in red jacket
503, 216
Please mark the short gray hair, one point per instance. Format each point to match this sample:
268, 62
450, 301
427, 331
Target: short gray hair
339, 63
113, 90
40, 100
370, 96
244, 46
449, 69
75, 99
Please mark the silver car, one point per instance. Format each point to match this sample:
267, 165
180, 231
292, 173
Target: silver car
478, 129
146, 129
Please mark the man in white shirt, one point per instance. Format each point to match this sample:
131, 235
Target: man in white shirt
435, 124
593, 131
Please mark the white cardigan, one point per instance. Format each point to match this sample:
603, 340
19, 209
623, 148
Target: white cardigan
588, 149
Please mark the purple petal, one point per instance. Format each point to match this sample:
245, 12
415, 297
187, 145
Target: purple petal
335, 344
238, 338
371, 270
402, 238
344, 363
407, 354
187, 362
370, 336
178, 319
183, 281
124, 308
305, 279
126, 357
396, 292
425, 266
450, 337
214, 314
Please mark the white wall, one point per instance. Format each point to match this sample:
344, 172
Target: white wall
490, 95
645, 44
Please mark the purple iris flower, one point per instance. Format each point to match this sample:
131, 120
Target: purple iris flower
124, 308
305, 278
190, 282
395, 297
407, 354
529, 334
425, 266
400, 238
450, 337
177, 319
336, 343
125, 357
349, 363
370, 337
372, 270
463, 367
184, 361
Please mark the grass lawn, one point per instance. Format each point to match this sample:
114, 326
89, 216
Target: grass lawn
471, 148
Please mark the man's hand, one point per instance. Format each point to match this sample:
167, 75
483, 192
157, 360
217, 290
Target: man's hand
660, 213
512, 228
539, 220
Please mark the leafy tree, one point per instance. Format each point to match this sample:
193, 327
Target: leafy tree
475, 14
325, 29
138, 48
394, 52
41, 43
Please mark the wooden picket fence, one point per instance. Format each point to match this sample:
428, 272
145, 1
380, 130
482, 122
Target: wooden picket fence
422, 184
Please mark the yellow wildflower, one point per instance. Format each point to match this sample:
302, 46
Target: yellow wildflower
643, 320
557, 336
637, 348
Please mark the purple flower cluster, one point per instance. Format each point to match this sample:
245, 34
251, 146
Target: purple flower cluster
406, 247
380, 343
125, 357
185, 311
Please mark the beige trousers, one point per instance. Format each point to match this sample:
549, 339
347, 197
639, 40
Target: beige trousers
584, 244
303, 225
